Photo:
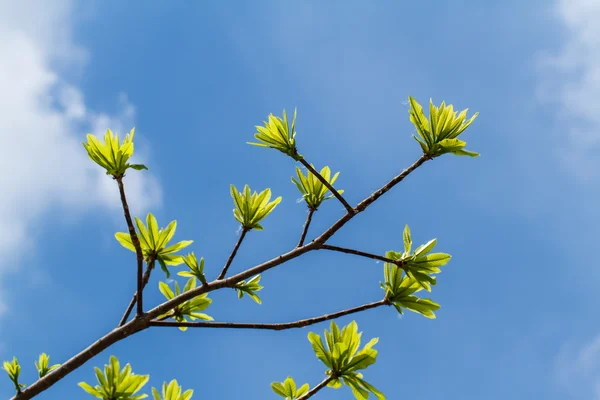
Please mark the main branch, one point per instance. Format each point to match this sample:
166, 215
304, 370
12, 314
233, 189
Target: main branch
143, 322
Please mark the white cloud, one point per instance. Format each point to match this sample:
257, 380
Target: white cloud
43, 121
577, 369
571, 78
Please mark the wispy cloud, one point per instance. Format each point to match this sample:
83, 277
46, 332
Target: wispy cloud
571, 79
577, 368
43, 120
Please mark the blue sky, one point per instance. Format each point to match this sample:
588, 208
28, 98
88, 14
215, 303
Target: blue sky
521, 221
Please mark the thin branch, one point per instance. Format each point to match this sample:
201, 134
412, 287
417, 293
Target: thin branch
369, 200
320, 386
328, 186
311, 211
273, 327
358, 253
399, 178
142, 323
233, 253
136, 244
145, 280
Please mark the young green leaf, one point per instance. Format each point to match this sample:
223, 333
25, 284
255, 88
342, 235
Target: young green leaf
154, 242
342, 356
251, 208
116, 382
196, 268
188, 309
42, 365
13, 369
287, 389
172, 391
438, 135
111, 155
276, 134
250, 288
313, 190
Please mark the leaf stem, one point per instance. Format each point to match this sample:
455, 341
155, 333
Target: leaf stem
328, 186
311, 211
273, 327
136, 244
233, 253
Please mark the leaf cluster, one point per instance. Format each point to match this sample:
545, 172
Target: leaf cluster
188, 309
116, 384
172, 391
13, 369
42, 365
196, 268
111, 155
313, 190
251, 208
250, 288
154, 242
401, 283
276, 134
343, 358
439, 134
287, 389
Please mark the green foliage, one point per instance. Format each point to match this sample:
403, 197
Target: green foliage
188, 308
312, 189
116, 384
287, 389
250, 288
111, 155
13, 369
401, 283
420, 265
154, 242
439, 134
172, 391
42, 365
276, 134
344, 360
251, 208
196, 269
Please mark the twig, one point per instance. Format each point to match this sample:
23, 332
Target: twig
146, 278
233, 253
328, 186
136, 244
142, 323
273, 327
311, 211
320, 386
358, 253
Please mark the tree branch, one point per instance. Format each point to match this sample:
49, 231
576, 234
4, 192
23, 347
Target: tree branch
273, 327
136, 244
358, 253
320, 386
145, 280
143, 322
311, 211
328, 186
233, 253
